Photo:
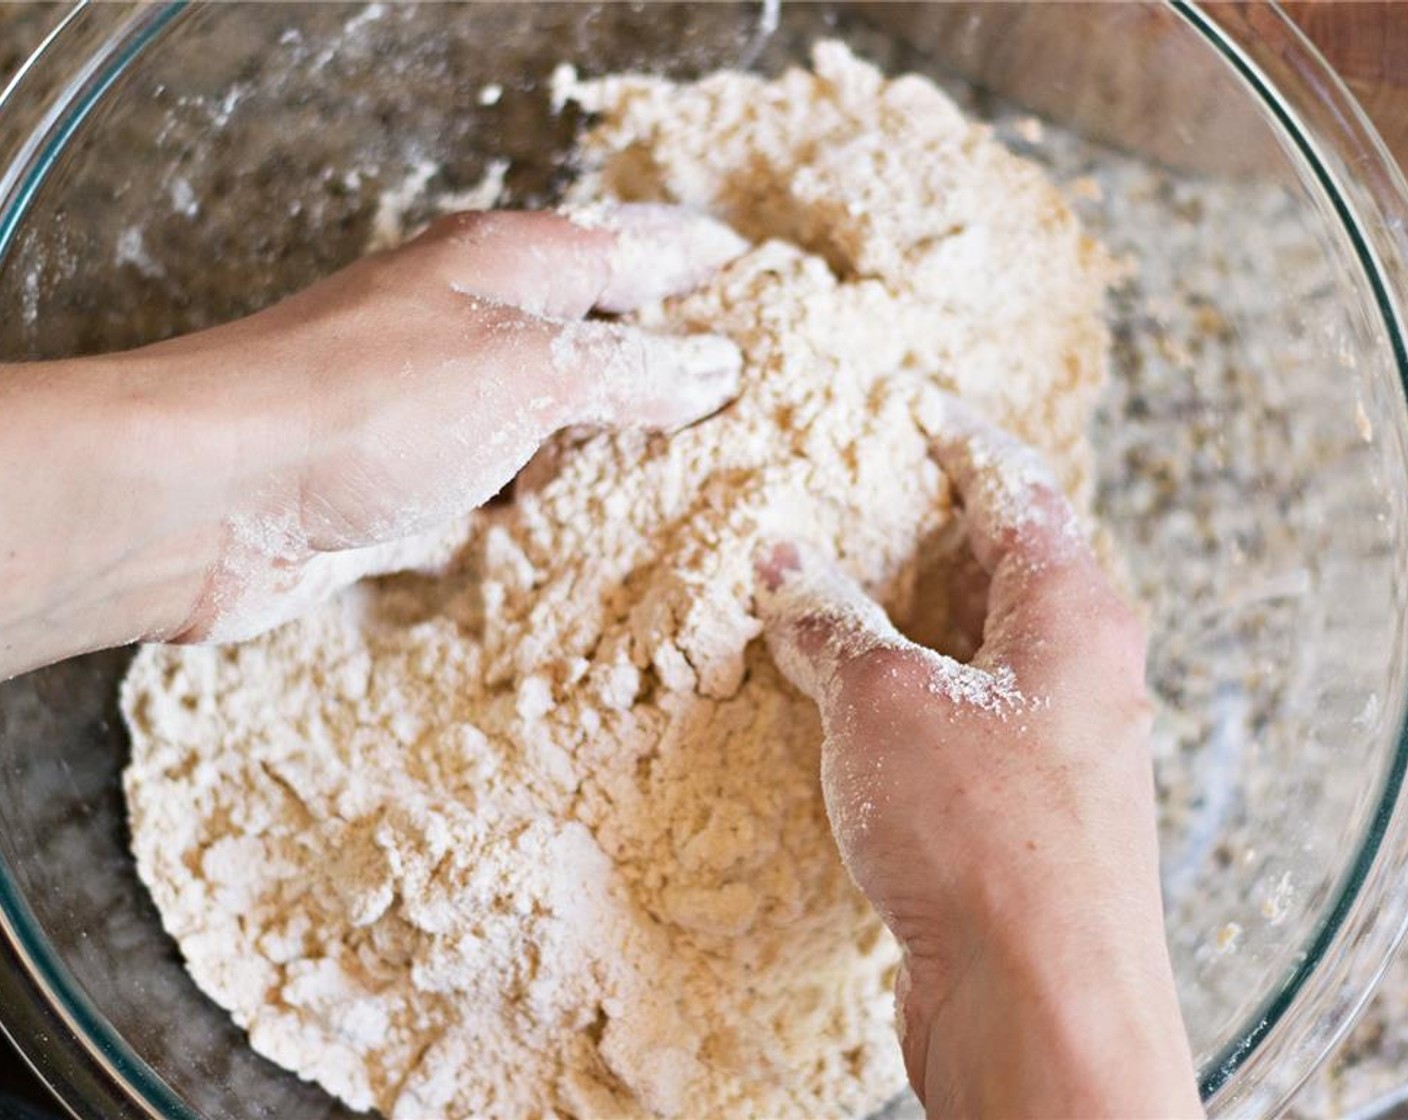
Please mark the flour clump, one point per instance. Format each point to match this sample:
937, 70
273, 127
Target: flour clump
544, 836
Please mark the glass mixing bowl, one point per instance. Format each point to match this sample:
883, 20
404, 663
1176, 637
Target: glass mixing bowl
163, 168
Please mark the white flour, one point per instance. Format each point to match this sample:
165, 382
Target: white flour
544, 837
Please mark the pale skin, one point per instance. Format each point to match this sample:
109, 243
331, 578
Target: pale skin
181, 490
211, 486
1010, 847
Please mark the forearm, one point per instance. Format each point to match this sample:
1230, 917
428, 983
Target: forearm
116, 477
1041, 1027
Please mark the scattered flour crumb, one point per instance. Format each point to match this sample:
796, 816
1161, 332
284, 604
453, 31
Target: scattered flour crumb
1229, 937
390, 224
1362, 424
369, 14
29, 297
562, 86
770, 18
1029, 129
183, 198
545, 836
483, 195
132, 250
1277, 903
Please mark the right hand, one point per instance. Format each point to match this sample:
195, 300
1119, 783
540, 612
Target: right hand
1000, 814
211, 486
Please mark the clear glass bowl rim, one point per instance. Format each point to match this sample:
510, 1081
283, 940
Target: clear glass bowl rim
84, 1060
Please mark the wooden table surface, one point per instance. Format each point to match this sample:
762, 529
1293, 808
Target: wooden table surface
1366, 41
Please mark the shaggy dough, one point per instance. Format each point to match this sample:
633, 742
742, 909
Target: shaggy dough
544, 837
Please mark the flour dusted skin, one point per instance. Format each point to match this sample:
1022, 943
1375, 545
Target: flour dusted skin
544, 836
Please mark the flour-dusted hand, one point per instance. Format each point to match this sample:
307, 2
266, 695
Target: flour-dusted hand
429, 375
262, 464
1000, 813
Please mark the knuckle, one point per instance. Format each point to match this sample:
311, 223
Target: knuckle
1081, 591
887, 674
1075, 613
461, 223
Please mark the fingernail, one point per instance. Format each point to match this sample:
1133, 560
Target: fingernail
944, 416
703, 372
958, 430
709, 357
774, 563
670, 381
798, 579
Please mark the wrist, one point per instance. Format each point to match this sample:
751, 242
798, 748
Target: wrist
1041, 1020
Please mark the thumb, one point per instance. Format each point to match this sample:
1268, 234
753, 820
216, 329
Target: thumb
837, 645
887, 706
816, 620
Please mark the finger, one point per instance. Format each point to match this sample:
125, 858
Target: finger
837, 645
611, 257
815, 619
621, 375
1013, 503
1047, 588
657, 250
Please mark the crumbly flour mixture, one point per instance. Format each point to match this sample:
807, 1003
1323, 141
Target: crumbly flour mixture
543, 835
